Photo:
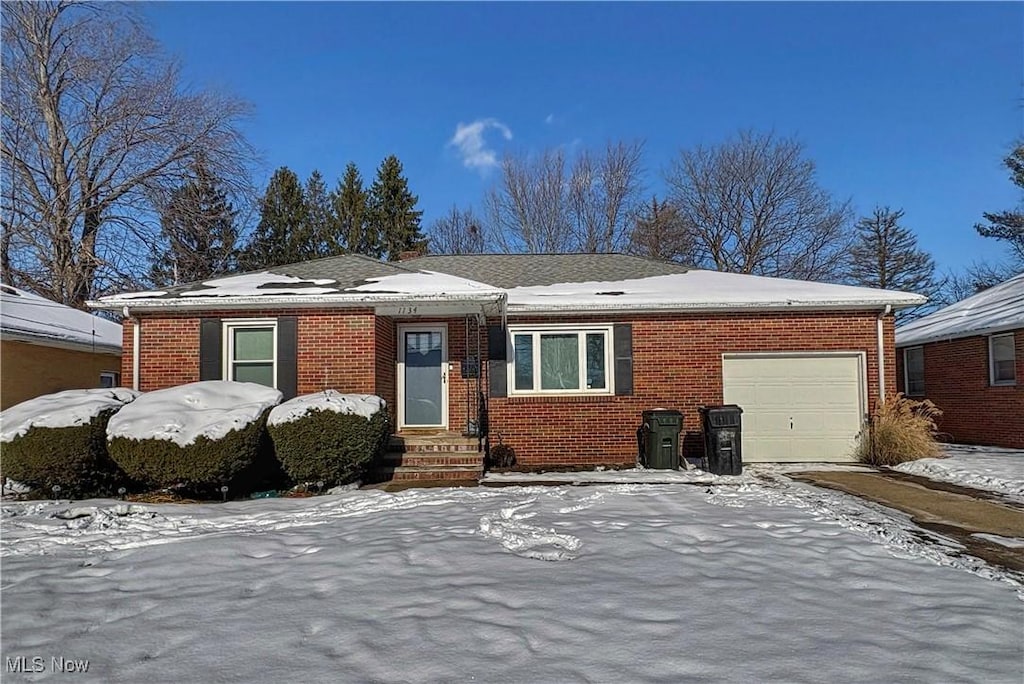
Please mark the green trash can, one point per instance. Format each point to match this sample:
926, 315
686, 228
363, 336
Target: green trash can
660, 430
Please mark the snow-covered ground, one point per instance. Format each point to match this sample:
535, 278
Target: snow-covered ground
761, 580
1000, 471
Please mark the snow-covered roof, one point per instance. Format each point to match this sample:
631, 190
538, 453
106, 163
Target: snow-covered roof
619, 283
990, 311
277, 289
700, 290
27, 317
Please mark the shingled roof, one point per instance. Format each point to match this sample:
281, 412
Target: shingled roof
530, 270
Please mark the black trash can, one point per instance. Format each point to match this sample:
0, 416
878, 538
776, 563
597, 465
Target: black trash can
660, 438
723, 439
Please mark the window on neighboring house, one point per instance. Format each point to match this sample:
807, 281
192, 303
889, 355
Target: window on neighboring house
913, 370
110, 379
250, 353
1002, 359
561, 360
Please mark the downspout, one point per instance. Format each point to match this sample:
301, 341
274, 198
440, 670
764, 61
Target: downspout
881, 351
136, 337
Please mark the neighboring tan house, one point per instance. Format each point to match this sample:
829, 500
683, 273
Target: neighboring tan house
968, 358
556, 355
48, 347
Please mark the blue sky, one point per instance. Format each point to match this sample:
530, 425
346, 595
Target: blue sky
908, 105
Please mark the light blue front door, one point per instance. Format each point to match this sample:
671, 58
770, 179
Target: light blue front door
423, 375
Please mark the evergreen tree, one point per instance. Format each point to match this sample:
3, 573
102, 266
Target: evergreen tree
659, 233
280, 237
197, 231
885, 255
350, 208
321, 223
1009, 225
393, 217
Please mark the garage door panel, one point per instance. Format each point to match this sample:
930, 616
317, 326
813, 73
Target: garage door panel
797, 407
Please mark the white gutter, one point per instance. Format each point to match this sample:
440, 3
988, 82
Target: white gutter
295, 301
881, 351
136, 338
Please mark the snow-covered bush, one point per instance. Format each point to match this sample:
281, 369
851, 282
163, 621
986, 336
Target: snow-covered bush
900, 430
329, 436
198, 436
60, 439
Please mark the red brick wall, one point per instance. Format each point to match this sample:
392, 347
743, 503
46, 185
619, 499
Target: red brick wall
677, 363
956, 379
336, 348
386, 359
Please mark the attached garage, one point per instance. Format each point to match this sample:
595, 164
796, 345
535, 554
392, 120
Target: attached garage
799, 406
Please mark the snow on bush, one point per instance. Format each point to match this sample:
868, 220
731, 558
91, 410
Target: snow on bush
60, 440
198, 436
329, 436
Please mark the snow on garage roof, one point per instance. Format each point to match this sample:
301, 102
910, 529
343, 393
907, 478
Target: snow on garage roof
701, 290
27, 317
998, 308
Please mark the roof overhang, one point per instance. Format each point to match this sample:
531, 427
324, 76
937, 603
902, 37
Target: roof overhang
555, 309
916, 340
9, 335
390, 304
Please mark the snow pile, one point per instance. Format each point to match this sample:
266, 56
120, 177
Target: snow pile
69, 408
211, 409
992, 310
992, 469
29, 316
700, 290
365, 405
425, 283
624, 476
262, 284
668, 583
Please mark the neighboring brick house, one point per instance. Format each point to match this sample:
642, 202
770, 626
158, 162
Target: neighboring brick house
968, 359
557, 355
47, 347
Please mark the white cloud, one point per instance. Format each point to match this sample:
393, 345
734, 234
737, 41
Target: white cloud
549, 119
470, 140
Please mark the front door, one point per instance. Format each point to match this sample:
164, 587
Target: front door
422, 376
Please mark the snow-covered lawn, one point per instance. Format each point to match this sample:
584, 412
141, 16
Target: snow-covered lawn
992, 469
763, 580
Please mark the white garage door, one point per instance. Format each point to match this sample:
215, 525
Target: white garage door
797, 407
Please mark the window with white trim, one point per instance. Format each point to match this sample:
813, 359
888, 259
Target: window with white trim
250, 351
913, 370
560, 360
1002, 360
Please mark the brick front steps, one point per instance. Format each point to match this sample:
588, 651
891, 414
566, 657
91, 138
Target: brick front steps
432, 457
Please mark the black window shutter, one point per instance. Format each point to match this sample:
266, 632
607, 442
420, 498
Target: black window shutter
496, 343
497, 379
623, 345
210, 366
287, 356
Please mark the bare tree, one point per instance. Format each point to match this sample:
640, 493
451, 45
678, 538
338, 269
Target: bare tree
753, 205
457, 232
549, 203
96, 129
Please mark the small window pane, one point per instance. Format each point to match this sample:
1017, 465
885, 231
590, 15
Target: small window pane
262, 373
524, 361
1003, 359
914, 359
559, 362
254, 344
595, 361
